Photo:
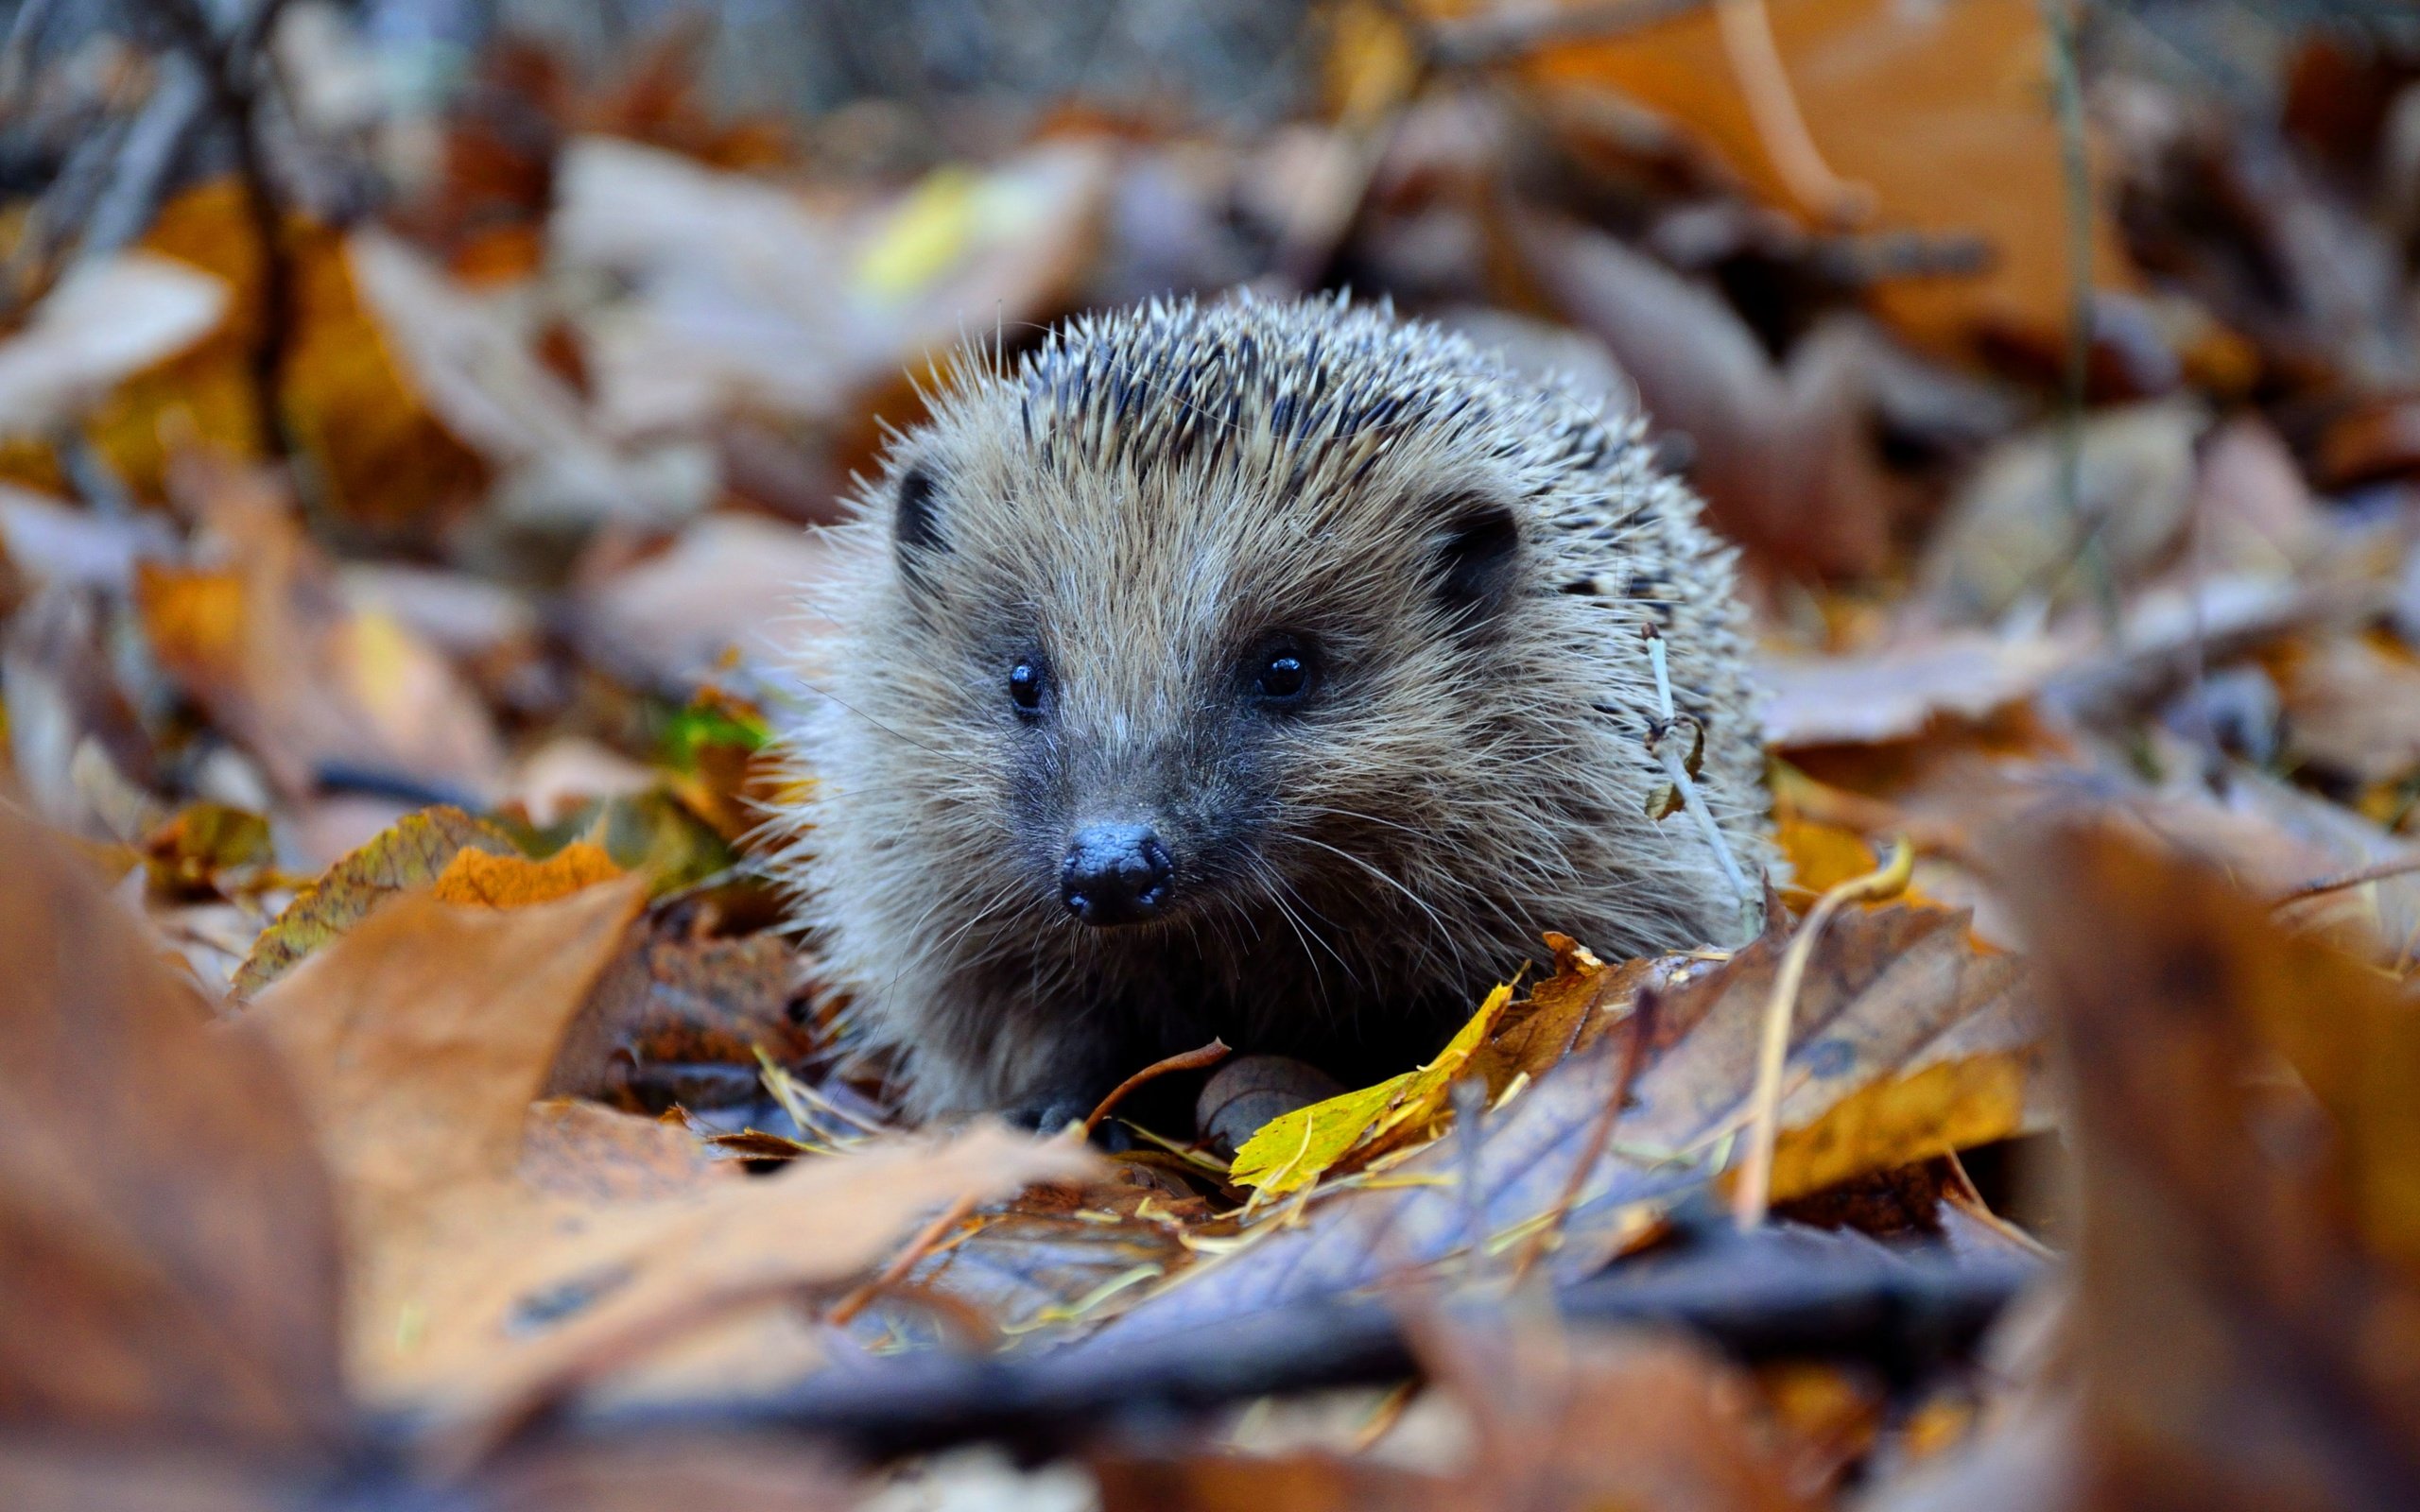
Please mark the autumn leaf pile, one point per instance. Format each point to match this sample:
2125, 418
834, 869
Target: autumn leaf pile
409, 497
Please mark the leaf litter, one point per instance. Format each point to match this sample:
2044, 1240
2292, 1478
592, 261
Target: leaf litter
400, 593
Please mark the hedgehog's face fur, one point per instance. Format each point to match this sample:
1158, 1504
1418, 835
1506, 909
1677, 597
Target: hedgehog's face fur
1190, 686
1164, 749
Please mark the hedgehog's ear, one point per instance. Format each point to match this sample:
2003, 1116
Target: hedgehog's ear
1477, 556
916, 520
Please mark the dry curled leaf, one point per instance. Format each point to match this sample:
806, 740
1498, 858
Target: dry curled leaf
484, 1282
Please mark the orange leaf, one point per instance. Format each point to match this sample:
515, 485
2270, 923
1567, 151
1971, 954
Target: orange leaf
485, 880
1942, 112
1822, 856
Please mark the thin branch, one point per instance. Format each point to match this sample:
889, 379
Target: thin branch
1782, 1292
2075, 169
232, 69
1209, 1055
901, 1263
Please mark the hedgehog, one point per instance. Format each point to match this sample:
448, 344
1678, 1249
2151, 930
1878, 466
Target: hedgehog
1276, 671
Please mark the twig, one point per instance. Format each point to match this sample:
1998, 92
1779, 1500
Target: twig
1661, 746
231, 68
1209, 1055
1754, 1192
1785, 1293
1756, 63
931, 1234
26, 31
1600, 1133
2376, 871
1384, 1417
2075, 169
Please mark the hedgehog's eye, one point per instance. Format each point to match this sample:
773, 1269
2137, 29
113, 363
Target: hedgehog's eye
1025, 685
1281, 672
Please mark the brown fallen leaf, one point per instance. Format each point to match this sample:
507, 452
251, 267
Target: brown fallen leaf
1897, 692
1570, 1418
413, 853
268, 646
167, 1244
65, 697
421, 1036
1054, 1255
729, 582
2252, 507
421, 1039
2011, 536
1571, 1011
673, 1007
1560, 1420
2352, 706
1940, 115
2249, 1163
472, 363
169, 1266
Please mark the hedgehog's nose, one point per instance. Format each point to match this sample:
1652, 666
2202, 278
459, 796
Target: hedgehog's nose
1116, 874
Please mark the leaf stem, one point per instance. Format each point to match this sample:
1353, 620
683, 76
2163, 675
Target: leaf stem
1754, 1192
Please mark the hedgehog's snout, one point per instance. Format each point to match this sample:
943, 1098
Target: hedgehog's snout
1116, 874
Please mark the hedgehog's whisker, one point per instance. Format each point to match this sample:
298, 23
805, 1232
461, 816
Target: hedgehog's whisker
1445, 930
1277, 891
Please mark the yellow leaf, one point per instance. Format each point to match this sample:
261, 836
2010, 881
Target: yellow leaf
924, 237
1294, 1150
488, 881
1950, 1105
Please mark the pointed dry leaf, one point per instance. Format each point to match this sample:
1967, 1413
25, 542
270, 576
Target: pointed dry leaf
1940, 113
1897, 692
268, 647
483, 1280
